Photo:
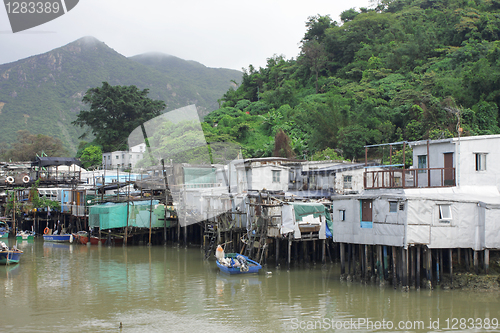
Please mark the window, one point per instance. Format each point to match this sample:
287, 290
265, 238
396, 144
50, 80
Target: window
347, 182
402, 206
393, 206
276, 176
422, 163
480, 161
117, 157
342, 215
444, 213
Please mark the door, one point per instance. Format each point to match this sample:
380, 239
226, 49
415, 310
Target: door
449, 171
366, 210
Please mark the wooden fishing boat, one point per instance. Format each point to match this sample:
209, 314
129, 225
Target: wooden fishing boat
82, 238
64, 238
235, 263
9, 256
25, 235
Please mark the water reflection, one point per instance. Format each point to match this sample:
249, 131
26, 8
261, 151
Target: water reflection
61, 287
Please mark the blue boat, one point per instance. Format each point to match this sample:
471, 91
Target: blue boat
235, 263
64, 238
9, 256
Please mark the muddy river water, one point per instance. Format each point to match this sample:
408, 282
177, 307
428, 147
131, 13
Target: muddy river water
79, 288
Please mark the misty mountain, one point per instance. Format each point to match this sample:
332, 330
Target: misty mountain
42, 93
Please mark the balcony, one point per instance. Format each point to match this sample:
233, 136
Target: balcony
410, 178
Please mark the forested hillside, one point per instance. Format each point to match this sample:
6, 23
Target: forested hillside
406, 70
43, 94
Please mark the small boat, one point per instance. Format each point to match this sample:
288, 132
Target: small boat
9, 256
25, 235
83, 238
64, 238
80, 237
235, 263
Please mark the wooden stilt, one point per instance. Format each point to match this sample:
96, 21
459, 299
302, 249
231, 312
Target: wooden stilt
467, 262
305, 253
366, 262
450, 253
471, 258
380, 269
323, 259
296, 251
361, 260
404, 261
385, 264
412, 266
441, 269
349, 259
394, 273
277, 251
486, 261
373, 262
458, 256
417, 277
476, 262
342, 258
289, 251
328, 250
429, 265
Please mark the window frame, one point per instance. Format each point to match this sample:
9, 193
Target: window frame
442, 213
422, 164
392, 208
480, 161
276, 176
348, 183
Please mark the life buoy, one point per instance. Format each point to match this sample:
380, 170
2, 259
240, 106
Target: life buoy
46, 231
26, 179
10, 179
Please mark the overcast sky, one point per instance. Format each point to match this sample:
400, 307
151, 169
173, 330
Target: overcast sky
217, 33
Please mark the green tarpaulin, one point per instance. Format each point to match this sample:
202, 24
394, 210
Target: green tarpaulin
109, 216
196, 176
307, 208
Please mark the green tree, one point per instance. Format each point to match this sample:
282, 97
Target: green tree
28, 146
326, 155
115, 111
91, 156
316, 27
315, 57
352, 140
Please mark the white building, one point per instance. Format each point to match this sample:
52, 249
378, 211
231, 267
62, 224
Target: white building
124, 159
448, 199
258, 174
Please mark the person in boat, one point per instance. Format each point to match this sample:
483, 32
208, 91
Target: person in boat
59, 228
